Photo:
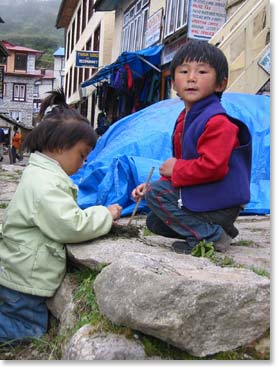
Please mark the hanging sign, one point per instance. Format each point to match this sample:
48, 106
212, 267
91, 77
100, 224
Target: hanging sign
87, 59
265, 61
153, 28
205, 18
1, 81
171, 48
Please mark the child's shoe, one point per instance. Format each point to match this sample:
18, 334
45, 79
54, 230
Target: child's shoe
181, 247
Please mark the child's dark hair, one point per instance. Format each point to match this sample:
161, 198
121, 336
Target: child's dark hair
60, 128
201, 51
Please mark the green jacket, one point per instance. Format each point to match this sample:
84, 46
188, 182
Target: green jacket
43, 216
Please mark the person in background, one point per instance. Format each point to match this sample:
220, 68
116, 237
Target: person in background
16, 144
43, 216
2, 138
206, 183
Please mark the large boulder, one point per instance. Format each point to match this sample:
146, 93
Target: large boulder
186, 301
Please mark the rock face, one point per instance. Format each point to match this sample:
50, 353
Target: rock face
185, 301
62, 304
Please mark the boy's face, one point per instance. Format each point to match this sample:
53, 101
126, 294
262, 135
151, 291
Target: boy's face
195, 81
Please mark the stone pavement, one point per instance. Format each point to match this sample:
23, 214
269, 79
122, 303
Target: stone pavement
251, 248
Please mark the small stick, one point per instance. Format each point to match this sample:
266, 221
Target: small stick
139, 199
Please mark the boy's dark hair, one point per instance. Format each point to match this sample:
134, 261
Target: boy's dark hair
60, 128
201, 51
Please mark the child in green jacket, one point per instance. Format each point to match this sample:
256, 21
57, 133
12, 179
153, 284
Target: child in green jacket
43, 216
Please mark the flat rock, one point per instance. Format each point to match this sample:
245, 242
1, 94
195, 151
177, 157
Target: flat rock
104, 251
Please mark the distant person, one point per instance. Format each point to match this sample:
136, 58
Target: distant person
16, 144
206, 183
2, 139
43, 216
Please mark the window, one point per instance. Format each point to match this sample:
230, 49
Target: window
16, 115
66, 87
70, 77
19, 92
88, 45
87, 73
5, 89
134, 25
80, 76
90, 9
175, 16
84, 107
68, 45
75, 81
20, 61
3, 59
36, 90
84, 15
78, 24
96, 40
72, 36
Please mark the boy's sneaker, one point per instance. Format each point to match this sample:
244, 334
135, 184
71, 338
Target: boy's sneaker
223, 244
231, 231
181, 247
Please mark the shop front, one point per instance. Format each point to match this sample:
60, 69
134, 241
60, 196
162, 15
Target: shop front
129, 84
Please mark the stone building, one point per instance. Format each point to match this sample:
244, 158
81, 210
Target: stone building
18, 87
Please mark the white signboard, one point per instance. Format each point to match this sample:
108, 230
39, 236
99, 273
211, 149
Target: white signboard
205, 18
153, 28
265, 61
171, 48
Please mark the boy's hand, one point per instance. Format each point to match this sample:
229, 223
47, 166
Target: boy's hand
115, 210
166, 168
138, 192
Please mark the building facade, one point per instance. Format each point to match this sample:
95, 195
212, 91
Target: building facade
44, 84
142, 28
59, 63
19, 78
85, 30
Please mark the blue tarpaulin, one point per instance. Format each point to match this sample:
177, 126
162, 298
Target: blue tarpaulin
124, 155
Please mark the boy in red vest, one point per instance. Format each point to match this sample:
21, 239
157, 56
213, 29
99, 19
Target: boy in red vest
204, 186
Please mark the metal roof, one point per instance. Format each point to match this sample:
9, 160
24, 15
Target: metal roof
59, 52
11, 47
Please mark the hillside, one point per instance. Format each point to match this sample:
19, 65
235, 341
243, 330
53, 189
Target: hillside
31, 23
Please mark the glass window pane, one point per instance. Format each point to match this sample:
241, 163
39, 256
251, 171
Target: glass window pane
173, 17
20, 62
182, 14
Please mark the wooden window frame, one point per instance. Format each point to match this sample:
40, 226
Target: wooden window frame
172, 16
134, 25
19, 92
22, 56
